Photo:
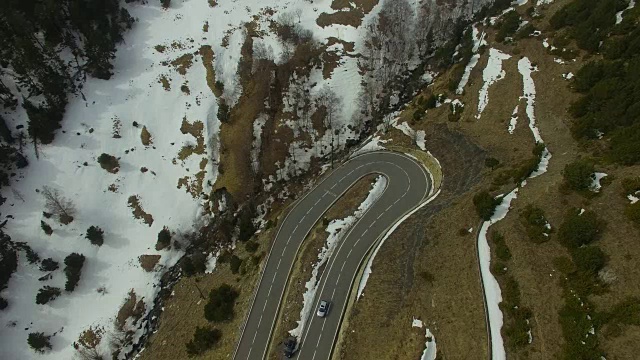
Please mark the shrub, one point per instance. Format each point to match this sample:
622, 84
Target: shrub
109, 163
72, 270
204, 338
247, 228
47, 294
578, 230
536, 224
501, 249
220, 305
491, 162
234, 264
589, 259
188, 269
633, 212
47, 229
164, 239
251, 246
95, 235
219, 85
577, 175
224, 114
3, 303
485, 205
576, 326
525, 32
626, 312
508, 26
49, 264
39, 342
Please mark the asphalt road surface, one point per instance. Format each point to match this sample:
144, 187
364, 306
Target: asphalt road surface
407, 186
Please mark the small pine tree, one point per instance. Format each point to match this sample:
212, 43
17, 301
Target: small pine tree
164, 239
224, 114
73, 269
47, 294
47, 229
39, 342
49, 264
109, 163
95, 235
204, 339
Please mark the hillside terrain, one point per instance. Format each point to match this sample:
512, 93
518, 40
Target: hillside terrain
145, 174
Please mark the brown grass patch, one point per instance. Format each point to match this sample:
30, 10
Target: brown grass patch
183, 63
196, 130
165, 82
213, 3
131, 308
205, 27
307, 256
148, 262
349, 18
185, 89
138, 211
206, 52
145, 136
364, 5
330, 61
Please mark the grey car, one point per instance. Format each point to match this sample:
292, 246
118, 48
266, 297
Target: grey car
323, 309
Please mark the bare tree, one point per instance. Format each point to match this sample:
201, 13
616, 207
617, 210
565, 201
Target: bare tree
58, 205
298, 13
331, 103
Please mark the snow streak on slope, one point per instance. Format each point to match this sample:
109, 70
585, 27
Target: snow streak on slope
478, 40
529, 94
492, 73
632, 4
492, 291
337, 229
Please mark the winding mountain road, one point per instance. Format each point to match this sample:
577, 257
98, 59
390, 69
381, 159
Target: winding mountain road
408, 185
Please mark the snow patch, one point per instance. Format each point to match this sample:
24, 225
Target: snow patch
632, 3
491, 74
430, 350
417, 323
595, 184
513, 121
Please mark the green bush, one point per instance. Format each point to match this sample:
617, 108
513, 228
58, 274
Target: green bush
220, 305
164, 239
578, 230
577, 175
626, 312
517, 326
109, 162
73, 268
536, 224
589, 259
47, 294
525, 32
508, 26
245, 223
95, 235
251, 246
234, 264
485, 205
491, 162
204, 338
39, 342
633, 213
46, 228
49, 264
576, 327
501, 249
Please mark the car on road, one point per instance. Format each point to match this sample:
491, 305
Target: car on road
290, 347
323, 309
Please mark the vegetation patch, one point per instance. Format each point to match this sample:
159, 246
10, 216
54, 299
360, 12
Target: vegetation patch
485, 205
536, 224
183, 63
204, 338
109, 163
148, 262
166, 84
73, 268
220, 305
145, 136
206, 52
351, 17
138, 211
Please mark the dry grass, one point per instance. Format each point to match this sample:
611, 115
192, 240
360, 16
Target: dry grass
307, 257
205, 27
138, 211
183, 63
194, 129
206, 52
349, 18
131, 308
148, 262
194, 184
165, 82
145, 136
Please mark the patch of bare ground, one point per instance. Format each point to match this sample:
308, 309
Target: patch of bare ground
347, 12
138, 211
206, 52
184, 310
194, 184
148, 262
307, 257
183, 63
145, 136
166, 84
